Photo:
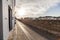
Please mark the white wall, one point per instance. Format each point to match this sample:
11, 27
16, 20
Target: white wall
5, 19
10, 3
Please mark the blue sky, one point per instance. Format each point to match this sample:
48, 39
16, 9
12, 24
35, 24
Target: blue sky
54, 11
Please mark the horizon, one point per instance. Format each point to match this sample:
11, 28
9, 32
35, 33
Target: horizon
37, 8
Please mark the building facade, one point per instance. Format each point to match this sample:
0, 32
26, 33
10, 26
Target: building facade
5, 17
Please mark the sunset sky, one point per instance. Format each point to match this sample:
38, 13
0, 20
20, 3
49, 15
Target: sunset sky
36, 8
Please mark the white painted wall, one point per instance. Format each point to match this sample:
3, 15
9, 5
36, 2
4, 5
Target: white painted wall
10, 3
13, 13
5, 19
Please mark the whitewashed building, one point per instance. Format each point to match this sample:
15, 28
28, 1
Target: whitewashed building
5, 19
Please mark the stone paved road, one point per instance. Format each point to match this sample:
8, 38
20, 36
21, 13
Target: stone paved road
24, 32
27, 33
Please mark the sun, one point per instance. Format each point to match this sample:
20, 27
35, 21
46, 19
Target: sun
20, 12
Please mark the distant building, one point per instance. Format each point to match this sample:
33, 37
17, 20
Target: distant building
49, 18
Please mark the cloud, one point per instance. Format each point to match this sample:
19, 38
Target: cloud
35, 7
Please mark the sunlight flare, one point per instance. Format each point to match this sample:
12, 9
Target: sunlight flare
20, 12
